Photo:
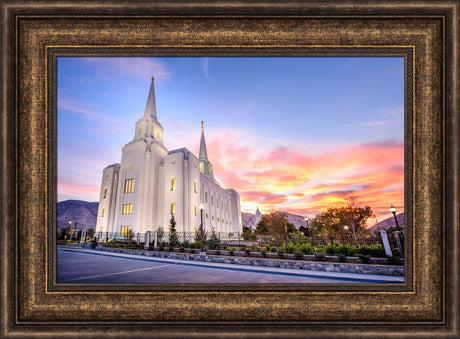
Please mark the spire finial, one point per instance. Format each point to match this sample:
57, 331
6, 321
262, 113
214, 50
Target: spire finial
153, 77
202, 122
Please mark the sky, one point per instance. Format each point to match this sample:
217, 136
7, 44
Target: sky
297, 134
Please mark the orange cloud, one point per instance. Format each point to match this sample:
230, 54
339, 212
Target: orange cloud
294, 180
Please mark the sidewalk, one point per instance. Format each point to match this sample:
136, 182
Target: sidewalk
365, 278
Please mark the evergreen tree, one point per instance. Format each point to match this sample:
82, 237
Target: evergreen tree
173, 239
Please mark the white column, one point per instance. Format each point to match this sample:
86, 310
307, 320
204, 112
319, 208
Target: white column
156, 239
147, 240
386, 243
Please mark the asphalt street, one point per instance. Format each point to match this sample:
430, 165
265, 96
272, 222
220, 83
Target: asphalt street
91, 266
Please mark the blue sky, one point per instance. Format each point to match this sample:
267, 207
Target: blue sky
319, 109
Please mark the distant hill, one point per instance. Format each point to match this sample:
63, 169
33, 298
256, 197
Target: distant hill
249, 218
389, 222
82, 212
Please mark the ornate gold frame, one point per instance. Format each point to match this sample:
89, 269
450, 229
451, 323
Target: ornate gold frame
32, 36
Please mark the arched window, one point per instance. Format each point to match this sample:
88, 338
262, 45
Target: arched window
173, 208
205, 196
105, 193
194, 209
173, 184
194, 186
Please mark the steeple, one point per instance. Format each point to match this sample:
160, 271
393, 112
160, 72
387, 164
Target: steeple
203, 152
205, 165
151, 107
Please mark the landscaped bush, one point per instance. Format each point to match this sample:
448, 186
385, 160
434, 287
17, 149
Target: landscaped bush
374, 250
298, 255
218, 252
290, 248
346, 250
331, 249
192, 250
171, 248
181, 249
247, 251
320, 256
161, 248
306, 248
342, 257
365, 258
393, 260
280, 253
231, 252
264, 253
186, 244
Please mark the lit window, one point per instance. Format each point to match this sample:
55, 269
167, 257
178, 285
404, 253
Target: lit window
105, 192
103, 212
173, 184
127, 208
158, 135
129, 185
194, 209
140, 129
212, 217
173, 207
125, 231
194, 186
205, 196
206, 215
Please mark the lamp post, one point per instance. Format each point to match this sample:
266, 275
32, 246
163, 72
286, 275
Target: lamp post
400, 238
201, 228
308, 228
393, 210
70, 230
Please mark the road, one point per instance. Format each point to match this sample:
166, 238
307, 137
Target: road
91, 266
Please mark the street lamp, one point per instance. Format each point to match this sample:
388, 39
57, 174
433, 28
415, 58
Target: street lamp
201, 228
308, 229
345, 228
393, 210
70, 230
401, 239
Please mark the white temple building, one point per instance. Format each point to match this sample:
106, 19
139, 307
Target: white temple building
151, 183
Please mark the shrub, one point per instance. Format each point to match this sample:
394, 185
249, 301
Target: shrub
346, 250
264, 253
342, 257
273, 249
247, 251
374, 250
320, 256
214, 241
231, 252
281, 253
171, 248
161, 248
290, 248
365, 258
331, 249
186, 244
218, 252
192, 250
298, 255
393, 260
306, 248
181, 249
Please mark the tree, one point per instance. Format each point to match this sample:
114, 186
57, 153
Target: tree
298, 238
332, 222
275, 227
173, 239
160, 233
214, 241
90, 231
248, 234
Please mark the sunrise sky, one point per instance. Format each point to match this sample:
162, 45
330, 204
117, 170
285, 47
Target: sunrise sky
298, 134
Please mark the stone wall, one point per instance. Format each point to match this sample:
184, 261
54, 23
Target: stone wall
267, 262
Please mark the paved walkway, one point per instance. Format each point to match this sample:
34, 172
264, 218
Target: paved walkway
213, 271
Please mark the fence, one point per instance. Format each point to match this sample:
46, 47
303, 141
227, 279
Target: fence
225, 237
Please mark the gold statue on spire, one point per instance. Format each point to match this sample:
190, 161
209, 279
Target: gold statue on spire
153, 78
202, 122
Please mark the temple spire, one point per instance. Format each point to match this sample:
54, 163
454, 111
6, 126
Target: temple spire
151, 107
203, 151
205, 165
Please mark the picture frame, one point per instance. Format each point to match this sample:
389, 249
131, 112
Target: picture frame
33, 36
